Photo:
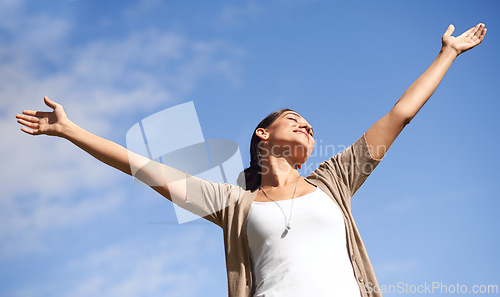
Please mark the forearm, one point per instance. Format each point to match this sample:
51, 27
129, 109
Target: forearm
166, 180
421, 90
102, 149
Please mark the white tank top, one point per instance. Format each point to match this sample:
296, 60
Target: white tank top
311, 259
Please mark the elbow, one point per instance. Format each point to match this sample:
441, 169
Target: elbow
402, 116
408, 120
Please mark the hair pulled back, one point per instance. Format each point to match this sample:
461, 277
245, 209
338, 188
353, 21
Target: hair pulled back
252, 174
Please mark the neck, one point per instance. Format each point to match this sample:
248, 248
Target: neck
278, 172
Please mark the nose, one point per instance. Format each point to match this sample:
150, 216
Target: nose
307, 127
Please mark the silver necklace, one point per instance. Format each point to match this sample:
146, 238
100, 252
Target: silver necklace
287, 222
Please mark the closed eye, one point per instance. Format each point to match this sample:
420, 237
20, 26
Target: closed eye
310, 130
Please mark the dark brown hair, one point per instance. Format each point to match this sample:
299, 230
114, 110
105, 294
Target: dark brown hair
252, 174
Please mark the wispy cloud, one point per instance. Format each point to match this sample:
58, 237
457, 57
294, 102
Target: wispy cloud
232, 15
142, 7
25, 220
247, 12
100, 82
139, 267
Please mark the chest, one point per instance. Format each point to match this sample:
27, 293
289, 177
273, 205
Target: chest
285, 193
312, 217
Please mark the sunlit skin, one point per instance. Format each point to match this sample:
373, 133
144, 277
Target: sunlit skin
290, 137
279, 180
383, 133
290, 130
285, 145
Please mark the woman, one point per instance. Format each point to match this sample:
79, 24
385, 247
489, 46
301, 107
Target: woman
273, 247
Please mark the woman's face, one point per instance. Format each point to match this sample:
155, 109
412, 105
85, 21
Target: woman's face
290, 135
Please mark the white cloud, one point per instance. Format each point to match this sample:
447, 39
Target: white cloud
99, 82
232, 15
9, 10
246, 12
140, 8
173, 266
26, 220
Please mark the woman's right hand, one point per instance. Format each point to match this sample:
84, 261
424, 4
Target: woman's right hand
43, 122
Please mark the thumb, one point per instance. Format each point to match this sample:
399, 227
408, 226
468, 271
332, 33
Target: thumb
450, 30
49, 102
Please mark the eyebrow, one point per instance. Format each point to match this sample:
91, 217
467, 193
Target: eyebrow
292, 112
296, 114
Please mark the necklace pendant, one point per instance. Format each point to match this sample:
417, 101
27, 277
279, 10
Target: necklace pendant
288, 227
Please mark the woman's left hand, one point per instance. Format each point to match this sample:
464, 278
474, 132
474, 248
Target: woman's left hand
466, 41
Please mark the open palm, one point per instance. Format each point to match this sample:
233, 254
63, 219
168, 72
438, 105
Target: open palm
466, 41
43, 122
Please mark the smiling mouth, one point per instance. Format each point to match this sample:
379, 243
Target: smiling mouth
304, 133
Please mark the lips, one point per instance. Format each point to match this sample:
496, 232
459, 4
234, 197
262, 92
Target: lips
302, 132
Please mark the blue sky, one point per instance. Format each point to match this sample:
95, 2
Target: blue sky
71, 226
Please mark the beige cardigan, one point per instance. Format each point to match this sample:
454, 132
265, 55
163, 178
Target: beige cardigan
228, 207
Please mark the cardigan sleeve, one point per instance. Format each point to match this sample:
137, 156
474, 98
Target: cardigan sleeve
350, 168
209, 199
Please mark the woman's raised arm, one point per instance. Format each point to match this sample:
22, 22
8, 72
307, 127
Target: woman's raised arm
163, 179
383, 133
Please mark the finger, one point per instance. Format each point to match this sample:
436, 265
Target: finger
450, 30
49, 102
28, 118
28, 124
38, 114
479, 30
483, 34
466, 32
29, 131
473, 31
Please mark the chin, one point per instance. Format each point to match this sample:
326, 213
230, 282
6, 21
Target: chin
301, 159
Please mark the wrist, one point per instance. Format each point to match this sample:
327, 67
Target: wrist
449, 51
68, 129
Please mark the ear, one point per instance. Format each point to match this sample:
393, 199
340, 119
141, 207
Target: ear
262, 133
